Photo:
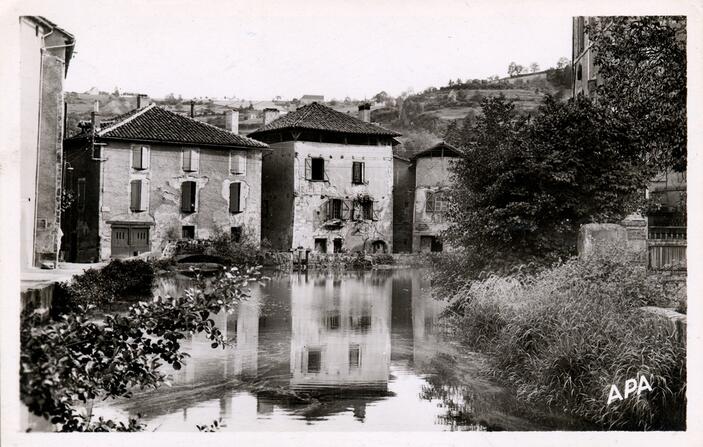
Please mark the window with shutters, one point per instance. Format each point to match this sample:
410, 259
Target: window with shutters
237, 163
191, 159
315, 169
335, 209
358, 174
139, 195
188, 196
140, 157
235, 197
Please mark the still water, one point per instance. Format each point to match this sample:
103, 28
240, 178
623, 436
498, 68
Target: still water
332, 351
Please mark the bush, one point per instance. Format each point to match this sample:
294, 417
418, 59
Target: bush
565, 335
97, 287
245, 252
384, 258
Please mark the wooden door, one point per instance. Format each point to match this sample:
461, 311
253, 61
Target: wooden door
138, 240
120, 241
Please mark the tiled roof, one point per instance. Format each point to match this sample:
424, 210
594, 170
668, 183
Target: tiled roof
155, 124
443, 148
318, 117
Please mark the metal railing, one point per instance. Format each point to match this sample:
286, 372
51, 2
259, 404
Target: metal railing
667, 233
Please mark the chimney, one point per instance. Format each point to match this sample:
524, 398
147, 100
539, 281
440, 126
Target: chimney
270, 115
365, 112
95, 117
192, 108
232, 121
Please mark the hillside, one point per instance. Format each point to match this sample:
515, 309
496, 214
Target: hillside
421, 118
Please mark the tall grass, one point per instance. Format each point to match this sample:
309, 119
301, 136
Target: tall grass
565, 335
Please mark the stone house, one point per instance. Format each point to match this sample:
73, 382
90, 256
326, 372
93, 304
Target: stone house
328, 181
151, 176
45, 52
432, 181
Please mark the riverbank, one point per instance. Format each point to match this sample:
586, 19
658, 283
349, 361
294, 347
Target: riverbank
568, 335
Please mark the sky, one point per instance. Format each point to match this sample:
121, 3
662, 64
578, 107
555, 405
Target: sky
265, 48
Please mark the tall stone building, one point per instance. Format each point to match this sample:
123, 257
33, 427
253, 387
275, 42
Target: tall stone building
152, 176
45, 52
328, 181
432, 181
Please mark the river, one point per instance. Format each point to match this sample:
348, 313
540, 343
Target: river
325, 351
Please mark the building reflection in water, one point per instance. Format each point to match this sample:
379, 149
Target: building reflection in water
340, 334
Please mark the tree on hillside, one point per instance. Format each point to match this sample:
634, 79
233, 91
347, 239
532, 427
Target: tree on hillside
534, 67
563, 62
642, 69
515, 69
525, 187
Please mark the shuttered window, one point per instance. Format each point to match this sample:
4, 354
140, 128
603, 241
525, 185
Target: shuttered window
358, 172
139, 195
238, 163
140, 157
191, 159
315, 169
235, 191
188, 191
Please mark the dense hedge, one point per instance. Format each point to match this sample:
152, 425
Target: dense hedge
566, 335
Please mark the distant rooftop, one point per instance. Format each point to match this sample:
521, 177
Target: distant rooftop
315, 116
441, 149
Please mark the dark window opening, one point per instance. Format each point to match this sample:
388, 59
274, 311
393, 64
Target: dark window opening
367, 210
360, 323
354, 356
188, 231
333, 321
314, 360
317, 166
236, 234
335, 209
337, 245
579, 72
358, 172
321, 245
135, 203
188, 190
235, 194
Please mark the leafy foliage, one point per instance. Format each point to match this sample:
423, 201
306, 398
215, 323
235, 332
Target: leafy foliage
642, 65
100, 287
525, 186
67, 364
564, 336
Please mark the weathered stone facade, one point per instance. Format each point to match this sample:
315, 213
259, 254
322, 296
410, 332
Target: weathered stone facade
432, 182
294, 206
327, 182
45, 53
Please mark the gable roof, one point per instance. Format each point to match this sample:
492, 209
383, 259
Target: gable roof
315, 116
158, 125
441, 148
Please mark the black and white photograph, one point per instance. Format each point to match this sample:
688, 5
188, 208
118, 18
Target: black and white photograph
302, 222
